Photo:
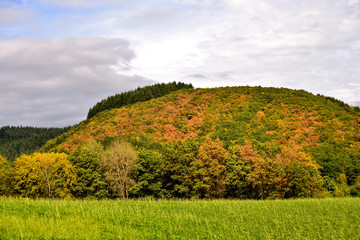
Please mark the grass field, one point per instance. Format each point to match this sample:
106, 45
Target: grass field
218, 219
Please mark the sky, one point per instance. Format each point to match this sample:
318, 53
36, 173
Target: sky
60, 57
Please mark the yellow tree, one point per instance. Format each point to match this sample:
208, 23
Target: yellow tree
44, 175
119, 160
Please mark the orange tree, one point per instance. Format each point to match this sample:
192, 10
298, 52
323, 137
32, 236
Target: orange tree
209, 170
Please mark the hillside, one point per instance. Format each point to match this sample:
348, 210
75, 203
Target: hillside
15, 141
277, 124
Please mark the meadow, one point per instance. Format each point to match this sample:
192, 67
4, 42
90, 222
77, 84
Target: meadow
146, 219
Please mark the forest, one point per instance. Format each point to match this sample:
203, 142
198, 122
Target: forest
15, 141
141, 94
233, 142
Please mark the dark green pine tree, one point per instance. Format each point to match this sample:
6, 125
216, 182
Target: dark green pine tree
138, 95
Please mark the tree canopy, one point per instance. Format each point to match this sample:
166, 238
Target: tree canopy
44, 175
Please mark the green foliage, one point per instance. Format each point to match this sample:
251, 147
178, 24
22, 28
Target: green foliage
304, 180
139, 95
91, 181
15, 141
329, 185
179, 176
355, 189
335, 158
237, 171
148, 175
5, 177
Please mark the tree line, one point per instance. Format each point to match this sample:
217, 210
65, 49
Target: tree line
273, 120
188, 169
141, 94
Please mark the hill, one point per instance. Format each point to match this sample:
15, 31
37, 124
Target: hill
15, 141
266, 125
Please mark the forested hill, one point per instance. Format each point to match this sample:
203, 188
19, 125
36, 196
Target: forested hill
138, 95
15, 141
279, 124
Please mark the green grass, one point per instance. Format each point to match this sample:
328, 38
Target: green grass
136, 219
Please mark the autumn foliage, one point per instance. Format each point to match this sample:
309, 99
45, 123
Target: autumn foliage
234, 142
48, 175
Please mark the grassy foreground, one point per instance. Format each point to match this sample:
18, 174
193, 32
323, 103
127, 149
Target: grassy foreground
218, 219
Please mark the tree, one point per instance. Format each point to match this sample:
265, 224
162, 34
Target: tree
257, 177
237, 170
91, 179
267, 179
148, 175
179, 159
118, 161
44, 175
291, 173
209, 170
137, 95
302, 173
5, 176
303, 180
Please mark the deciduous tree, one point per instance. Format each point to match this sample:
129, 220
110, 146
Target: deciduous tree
209, 169
44, 175
91, 179
148, 175
119, 160
5, 177
237, 170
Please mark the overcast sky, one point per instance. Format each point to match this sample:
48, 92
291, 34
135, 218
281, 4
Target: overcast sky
59, 57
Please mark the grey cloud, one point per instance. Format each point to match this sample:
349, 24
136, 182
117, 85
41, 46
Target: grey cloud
224, 75
197, 75
12, 16
55, 82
